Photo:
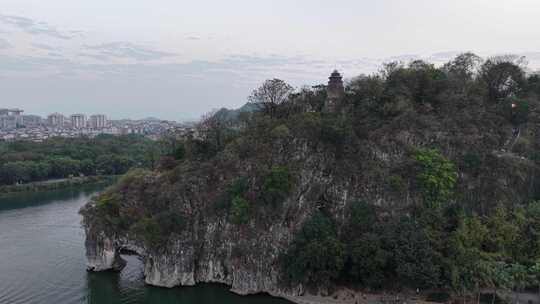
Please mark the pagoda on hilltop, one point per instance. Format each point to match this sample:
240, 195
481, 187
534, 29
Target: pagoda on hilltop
334, 92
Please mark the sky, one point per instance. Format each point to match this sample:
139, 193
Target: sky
177, 59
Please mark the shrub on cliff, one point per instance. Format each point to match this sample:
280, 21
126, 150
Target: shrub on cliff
316, 256
413, 256
276, 185
155, 231
437, 176
149, 230
368, 260
387, 252
239, 210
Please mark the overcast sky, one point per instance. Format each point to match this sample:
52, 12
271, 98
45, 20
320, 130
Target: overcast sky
177, 59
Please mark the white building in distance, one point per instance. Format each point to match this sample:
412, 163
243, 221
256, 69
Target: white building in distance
98, 121
78, 121
55, 120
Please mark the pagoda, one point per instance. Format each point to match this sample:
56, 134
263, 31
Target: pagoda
334, 91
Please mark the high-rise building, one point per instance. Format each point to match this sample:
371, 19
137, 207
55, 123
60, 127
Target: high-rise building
78, 121
11, 118
55, 120
8, 122
31, 120
98, 121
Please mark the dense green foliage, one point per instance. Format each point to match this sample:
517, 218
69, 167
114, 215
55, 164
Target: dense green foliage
317, 255
437, 176
23, 162
499, 250
276, 185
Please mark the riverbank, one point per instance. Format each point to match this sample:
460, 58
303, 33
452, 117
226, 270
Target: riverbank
57, 184
354, 297
349, 296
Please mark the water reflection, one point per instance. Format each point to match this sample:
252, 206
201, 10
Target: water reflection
128, 287
21, 200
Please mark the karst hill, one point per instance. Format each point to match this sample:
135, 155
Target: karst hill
419, 176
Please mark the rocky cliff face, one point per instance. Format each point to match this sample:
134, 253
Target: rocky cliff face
210, 248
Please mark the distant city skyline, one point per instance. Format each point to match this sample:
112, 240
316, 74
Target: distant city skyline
16, 125
45, 114
179, 59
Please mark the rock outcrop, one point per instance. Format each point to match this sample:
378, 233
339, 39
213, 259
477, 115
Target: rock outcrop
187, 260
102, 253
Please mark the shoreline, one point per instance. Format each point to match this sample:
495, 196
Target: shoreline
349, 296
56, 184
353, 297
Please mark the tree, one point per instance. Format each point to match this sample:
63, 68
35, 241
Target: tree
271, 95
413, 255
363, 217
277, 184
239, 210
520, 278
88, 167
213, 128
504, 76
534, 273
316, 256
437, 176
531, 231
503, 233
309, 99
518, 110
533, 84
368, 260
468, 271
463, 67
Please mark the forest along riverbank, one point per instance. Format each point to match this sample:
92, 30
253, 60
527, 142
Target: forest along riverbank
57, 184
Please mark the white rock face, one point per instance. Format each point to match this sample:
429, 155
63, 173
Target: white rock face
182, 265
102, 254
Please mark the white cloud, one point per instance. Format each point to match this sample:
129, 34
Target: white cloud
35, 27
122, 49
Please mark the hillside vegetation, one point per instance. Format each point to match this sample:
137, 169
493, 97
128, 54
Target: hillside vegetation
424, 177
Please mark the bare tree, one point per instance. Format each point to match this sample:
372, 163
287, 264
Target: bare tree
211, 127
270, 95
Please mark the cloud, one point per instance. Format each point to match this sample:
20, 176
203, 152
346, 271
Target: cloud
53, 54
94, 56
44, 46
403, 58
34, 27
125, 50
4, 44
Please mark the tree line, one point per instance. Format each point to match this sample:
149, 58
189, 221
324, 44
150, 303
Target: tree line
23, 161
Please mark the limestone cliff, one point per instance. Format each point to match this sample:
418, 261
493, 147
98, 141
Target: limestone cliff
230, 205
211, 248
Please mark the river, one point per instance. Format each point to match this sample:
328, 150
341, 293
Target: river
42, 259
